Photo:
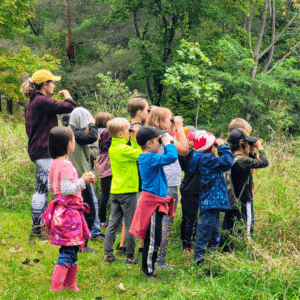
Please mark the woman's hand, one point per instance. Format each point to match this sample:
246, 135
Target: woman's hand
65, 94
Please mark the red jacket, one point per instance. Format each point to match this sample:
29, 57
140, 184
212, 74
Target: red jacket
147, 205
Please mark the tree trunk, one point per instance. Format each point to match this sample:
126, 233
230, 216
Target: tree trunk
69, 41
9, 106
271, 52
197, 111
260, 35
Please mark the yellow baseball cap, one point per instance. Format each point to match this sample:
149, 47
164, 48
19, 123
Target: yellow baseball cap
41, 76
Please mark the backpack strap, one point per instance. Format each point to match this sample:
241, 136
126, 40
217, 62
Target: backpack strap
235, 160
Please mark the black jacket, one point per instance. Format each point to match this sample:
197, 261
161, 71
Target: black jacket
190, 184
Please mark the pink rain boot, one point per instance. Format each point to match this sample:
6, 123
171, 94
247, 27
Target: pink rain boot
70, 281
58, 278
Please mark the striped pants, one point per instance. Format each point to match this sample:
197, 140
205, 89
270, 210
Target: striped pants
152, 242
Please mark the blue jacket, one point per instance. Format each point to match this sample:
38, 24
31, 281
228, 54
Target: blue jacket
151, 168
210, 169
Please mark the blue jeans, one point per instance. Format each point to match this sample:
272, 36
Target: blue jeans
208, 232
67, 255
167, 224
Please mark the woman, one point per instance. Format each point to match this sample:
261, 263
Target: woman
40, 117
162, 119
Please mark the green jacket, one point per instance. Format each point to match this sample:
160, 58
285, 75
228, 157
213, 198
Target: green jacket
123, 160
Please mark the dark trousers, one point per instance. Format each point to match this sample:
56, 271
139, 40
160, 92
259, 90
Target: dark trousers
190, 208
103, 200
67, 255
87, 196
231, 218
152, 242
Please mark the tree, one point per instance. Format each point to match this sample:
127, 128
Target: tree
13, 14
159, 26
186, 76
15, 66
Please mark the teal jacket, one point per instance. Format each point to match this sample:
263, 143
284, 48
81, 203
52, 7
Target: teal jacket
123, 160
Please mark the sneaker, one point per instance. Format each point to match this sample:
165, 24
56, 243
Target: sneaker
104, 225
162, 266
40, 231
199, 261
132, 261
187, 250
88, 249
99, 237
120, 249
109, 259
140, 250
154, 275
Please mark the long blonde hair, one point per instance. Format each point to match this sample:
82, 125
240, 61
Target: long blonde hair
157, 118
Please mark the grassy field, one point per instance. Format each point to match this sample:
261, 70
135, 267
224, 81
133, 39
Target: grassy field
267, 268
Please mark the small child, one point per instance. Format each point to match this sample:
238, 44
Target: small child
154, 202
240, 143
213, 197
124, 186
190, 190
103, 164
64, 215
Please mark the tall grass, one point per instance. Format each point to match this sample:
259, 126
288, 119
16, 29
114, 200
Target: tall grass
266, 268
17, 177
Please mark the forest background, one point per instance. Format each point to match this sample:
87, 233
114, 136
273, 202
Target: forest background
207, 60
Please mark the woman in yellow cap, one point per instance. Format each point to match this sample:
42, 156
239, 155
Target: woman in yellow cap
40, 117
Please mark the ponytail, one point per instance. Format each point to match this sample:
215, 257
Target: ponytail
29, 88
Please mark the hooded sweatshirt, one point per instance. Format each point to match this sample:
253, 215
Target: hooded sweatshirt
80, 158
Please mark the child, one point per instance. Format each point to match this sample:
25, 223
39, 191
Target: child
103, 164
124, 187
239, 141
138, 110
162, 118
64, 215
213, 197
154, 202
190, 190
83, 126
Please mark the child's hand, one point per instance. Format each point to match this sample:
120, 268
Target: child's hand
136, 128
258, 145
165, 140
88, 178
219, 141
91, 120
178, 121
65, 94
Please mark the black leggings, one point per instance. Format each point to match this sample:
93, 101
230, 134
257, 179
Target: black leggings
105, 191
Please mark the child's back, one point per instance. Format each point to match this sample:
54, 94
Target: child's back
213, 197
210, 169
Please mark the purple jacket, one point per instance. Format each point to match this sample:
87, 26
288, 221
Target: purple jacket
103, 162
40, 118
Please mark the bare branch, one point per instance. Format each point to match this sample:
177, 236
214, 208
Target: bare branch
284, 58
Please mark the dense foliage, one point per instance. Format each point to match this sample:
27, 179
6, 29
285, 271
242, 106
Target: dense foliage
251, 46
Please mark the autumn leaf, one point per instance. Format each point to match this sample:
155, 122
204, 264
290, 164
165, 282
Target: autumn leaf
15, 249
